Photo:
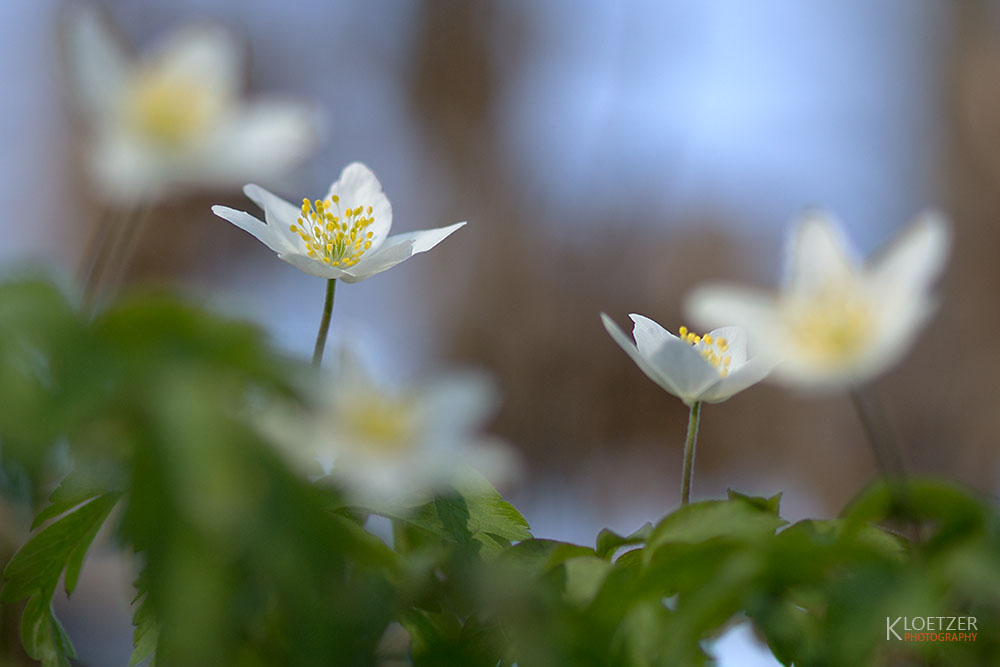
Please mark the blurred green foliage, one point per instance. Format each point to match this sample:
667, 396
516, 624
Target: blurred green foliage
245, 562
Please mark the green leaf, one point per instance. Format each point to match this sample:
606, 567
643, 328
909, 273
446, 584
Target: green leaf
71, 492
147, 630
737, 518
917, 498
60, 546
34, 572
641, 634
542, 555
42, 634
784, 627
847, 533
609, 542
584, 577
771, 504
39, 330
474, 513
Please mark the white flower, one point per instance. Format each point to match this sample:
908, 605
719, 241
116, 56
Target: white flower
836, 323
387, 448
344, 236
175, 119
693, 368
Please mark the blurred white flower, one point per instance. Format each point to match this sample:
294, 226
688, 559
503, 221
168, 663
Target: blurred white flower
709, 368
344, 236
393, 448
836, 323
174, 118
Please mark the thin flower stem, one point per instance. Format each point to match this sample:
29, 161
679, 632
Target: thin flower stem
888, 455
125, 251
324, 325
112, 250
99, 252
96, 246
689, 445
880, 437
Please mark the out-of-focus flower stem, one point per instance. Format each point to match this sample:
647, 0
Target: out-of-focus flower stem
93, 254
129, 237
884, 448
689, 445
888, 454
324, 325
110, 250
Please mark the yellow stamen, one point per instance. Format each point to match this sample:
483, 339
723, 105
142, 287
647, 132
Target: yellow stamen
704, 346
328, 239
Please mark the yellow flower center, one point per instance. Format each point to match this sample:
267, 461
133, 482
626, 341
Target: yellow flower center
171, 111
334, 237
831, 327
713, 350
382, 422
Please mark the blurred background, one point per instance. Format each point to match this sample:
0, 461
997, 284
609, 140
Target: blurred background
608, 157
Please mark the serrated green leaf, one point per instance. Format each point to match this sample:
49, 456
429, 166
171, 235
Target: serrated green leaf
475, 511
609, 542
542, 555
715, 518
71, 492
42, 634
772, 504
34, 572
848, 533
38, 564
147, 632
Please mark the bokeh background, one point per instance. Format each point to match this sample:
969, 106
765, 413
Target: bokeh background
608, 156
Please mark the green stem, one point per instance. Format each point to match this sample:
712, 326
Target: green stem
324, 325
110, 252
124, 251
689, 445
96, 247
878, 432
100, 252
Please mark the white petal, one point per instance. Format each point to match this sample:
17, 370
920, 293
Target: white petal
649, 336
96, 60
425, 239
396, 249
685, 368
357, 186
723, 305
916, 258
248, 223
902, 320
738, 379
645, 366
817, 254
261, 141
457, 404
126, 171
493, 459
736, 343
277, 211
202, 54
313, 267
